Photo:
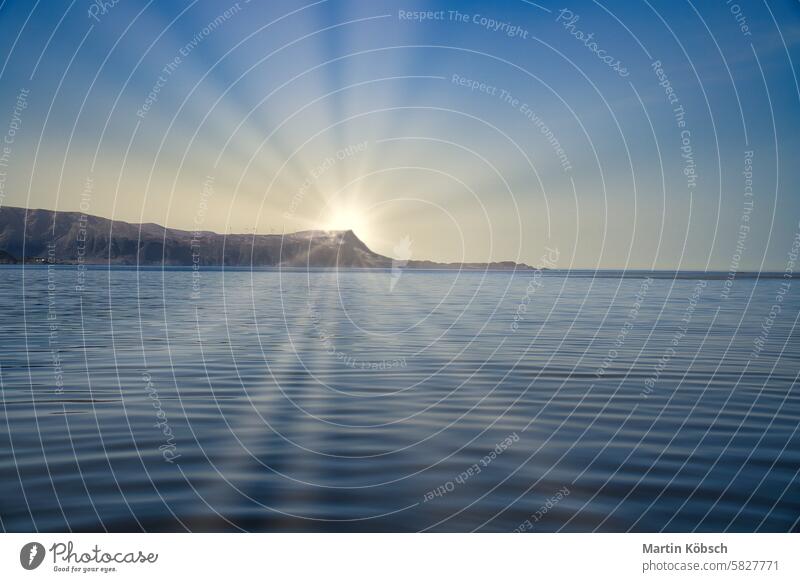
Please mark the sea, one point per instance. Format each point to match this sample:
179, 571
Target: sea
173, 399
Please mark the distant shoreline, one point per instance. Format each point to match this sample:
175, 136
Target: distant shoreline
70, 238
579, 273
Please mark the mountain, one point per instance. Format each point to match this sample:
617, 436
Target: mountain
65, 237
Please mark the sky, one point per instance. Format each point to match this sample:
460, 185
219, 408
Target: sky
652, 135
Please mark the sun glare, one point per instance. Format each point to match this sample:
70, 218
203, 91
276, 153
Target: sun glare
347, 219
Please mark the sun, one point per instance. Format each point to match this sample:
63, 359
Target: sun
347, 218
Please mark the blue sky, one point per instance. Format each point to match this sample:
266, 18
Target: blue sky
339, 114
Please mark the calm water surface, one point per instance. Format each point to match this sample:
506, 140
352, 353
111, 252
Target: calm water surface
173, 400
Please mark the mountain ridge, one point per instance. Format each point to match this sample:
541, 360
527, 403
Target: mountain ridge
39, 236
